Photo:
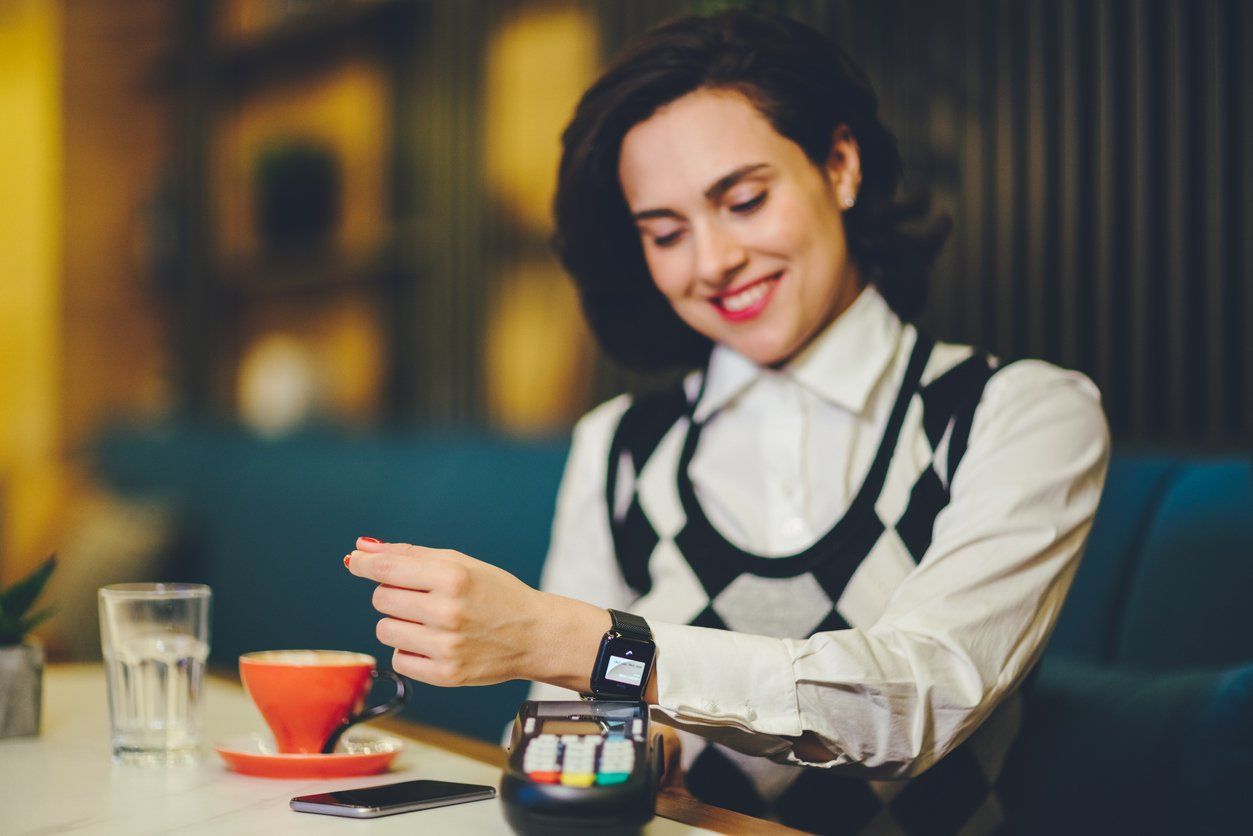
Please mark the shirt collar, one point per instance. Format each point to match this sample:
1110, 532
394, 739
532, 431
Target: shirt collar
841, 365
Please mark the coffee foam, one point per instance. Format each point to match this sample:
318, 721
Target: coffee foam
310, 658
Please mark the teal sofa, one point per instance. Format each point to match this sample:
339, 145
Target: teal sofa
1140, 719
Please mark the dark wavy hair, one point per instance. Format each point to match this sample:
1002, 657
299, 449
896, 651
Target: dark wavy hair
806, 87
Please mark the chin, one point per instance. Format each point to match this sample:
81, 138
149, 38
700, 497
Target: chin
766, 353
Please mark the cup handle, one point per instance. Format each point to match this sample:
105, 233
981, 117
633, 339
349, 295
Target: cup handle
373, 713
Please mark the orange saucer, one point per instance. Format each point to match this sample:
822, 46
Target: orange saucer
359, 753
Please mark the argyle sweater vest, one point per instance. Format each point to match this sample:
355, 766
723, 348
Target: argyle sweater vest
685, 571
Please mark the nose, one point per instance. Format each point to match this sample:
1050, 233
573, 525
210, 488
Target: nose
718, 253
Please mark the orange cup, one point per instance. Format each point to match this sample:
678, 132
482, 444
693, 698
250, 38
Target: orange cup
309, 698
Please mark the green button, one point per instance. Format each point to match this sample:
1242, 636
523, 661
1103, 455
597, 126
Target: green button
612, 777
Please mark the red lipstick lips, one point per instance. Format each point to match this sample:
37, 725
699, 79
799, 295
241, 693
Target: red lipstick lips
746, 302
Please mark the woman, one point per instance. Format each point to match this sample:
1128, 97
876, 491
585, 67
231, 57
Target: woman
849, 542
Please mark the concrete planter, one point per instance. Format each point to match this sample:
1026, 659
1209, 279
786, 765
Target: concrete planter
21, 678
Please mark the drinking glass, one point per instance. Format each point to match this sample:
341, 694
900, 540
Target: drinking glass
155, 638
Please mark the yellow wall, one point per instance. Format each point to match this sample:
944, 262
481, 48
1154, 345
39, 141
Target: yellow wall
30, 189
114, 141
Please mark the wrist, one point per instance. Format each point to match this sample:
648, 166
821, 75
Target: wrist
571, 633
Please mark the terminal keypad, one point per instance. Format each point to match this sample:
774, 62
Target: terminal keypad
579, 760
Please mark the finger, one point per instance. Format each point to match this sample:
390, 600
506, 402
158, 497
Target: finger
417, 569
434, 609
406, 604
428, 670
371, 544
407, 636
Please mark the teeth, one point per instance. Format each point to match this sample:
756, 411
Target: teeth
746, 298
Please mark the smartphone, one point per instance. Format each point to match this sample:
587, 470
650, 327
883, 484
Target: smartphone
389, 799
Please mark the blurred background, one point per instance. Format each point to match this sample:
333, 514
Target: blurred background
312, 236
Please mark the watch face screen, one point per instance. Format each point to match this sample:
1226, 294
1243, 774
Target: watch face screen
626, 671
622, 667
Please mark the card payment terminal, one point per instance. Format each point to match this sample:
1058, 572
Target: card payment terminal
581, 767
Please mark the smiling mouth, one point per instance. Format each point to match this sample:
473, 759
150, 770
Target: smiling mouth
748, 301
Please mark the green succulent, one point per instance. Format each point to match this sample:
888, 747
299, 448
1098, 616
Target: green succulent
16, 601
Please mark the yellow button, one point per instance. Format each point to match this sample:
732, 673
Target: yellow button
578, 779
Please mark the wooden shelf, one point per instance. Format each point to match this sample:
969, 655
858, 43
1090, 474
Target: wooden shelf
211, 79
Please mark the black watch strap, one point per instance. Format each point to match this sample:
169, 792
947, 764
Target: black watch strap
631, 626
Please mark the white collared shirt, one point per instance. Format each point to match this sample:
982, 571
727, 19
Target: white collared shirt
781, 456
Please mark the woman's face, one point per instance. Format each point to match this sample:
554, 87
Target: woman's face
742, 233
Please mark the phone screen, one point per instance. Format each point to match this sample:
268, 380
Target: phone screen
401, 797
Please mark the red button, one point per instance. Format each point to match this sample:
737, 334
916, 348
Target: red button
545, 777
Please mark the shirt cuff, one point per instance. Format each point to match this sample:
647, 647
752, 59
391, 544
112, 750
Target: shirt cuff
720, 678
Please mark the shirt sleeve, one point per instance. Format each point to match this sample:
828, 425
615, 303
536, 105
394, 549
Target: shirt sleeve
581, 562
958, 634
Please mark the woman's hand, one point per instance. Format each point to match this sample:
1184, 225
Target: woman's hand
454, 620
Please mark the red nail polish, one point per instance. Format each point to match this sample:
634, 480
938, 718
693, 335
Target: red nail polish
347, 560
371, 540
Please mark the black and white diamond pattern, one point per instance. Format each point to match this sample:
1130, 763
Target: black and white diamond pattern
780, 607
686, 572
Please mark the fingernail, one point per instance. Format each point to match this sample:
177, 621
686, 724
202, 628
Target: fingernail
369, 540
347, 560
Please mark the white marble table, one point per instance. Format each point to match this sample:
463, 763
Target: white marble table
64, 782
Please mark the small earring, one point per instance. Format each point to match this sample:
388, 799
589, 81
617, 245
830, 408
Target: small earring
849, 201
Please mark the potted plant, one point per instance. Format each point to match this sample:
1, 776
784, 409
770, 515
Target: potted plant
21, 660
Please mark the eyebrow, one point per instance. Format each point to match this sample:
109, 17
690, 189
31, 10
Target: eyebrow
714, 192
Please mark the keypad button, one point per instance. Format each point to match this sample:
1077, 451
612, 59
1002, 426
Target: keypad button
609, 778
578, 779
545, 777
539, 757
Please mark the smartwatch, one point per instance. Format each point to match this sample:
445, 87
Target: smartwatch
625, 660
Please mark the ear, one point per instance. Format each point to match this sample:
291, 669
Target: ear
843, 167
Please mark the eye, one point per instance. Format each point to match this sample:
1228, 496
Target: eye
667, 240
749, 206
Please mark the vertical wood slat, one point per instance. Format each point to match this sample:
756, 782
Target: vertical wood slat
1174, 124
1141, 151
1000, 280
1043, 174
1245, 229
1217, 357
970, 217
941, 144
1198, 275
1082, 166
1106, 202
1068, 184
1015, 304
397, 303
